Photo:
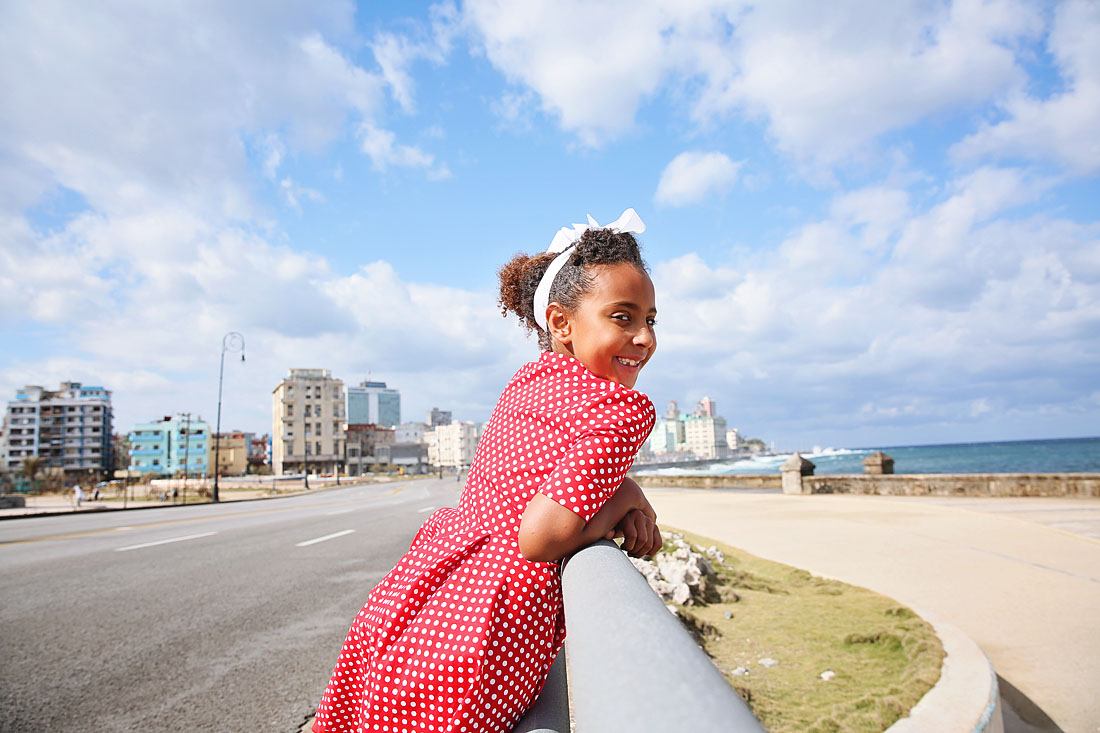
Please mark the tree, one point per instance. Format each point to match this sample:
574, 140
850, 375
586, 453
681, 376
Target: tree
32, 466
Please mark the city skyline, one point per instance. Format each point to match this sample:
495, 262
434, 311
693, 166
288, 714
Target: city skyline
865, 228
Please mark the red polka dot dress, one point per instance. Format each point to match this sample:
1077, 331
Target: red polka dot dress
460, 635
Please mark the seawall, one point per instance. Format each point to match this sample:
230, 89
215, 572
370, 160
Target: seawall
1078, 485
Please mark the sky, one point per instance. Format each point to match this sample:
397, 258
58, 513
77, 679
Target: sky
868, 223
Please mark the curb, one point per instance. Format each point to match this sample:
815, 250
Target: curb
104, 509
966, 697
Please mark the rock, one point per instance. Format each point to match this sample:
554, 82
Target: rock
680, 575
728, 615
828, 675
768, 662
739, 672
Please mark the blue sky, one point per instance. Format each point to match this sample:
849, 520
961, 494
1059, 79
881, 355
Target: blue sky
868, 223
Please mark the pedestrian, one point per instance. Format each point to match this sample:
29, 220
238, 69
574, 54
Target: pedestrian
78, 495
95, 494
460, 635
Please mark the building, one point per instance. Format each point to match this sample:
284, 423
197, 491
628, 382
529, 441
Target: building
259, 450
409, 457
368, 448
437, 417
733, 439
705, 436
171, 446
308, 417
453, 445
410, 432
706, 408
68, 428
373, 403
231, 452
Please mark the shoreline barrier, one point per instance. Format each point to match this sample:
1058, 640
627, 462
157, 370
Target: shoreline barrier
1076, 485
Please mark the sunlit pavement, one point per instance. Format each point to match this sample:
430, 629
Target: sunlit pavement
1020, 576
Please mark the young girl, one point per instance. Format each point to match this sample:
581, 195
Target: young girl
460, 635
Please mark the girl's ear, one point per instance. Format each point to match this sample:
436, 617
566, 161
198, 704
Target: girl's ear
559, 323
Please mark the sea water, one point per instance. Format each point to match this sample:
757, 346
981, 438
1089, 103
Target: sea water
1067, 455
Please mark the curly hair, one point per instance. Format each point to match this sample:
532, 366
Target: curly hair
521, 275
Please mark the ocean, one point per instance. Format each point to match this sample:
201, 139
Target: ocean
1067, 455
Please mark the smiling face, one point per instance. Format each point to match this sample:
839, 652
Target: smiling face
611, 329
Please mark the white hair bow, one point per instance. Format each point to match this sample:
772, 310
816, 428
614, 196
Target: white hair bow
563, 241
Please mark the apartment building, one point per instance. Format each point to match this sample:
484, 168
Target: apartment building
368, 448
231, 451
171, 446
69, 428
308, 418
453, 445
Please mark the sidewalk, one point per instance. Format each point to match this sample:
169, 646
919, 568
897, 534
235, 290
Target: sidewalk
1026, 590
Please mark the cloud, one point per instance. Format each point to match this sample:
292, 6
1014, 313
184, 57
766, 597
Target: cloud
825, 81
691, 177
382, 148
958, 313
1062, 127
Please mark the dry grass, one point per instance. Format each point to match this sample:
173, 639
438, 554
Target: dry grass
885, 658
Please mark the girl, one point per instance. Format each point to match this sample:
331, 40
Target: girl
460, 635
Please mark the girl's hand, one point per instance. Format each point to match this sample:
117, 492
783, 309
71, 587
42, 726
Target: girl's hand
641, 536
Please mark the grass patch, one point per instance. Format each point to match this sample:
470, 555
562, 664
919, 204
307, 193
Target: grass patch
884, 657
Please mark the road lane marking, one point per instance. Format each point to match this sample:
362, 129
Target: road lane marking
164, 542
338, 511
425, 509
327, 537
122, 529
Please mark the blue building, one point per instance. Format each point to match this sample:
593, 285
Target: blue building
374, 403
171, 446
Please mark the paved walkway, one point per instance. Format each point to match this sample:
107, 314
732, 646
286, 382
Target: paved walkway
1020, 576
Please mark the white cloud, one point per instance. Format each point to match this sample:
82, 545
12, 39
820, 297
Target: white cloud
382, 148
1061, 128
947, 315
692, 176
827, 80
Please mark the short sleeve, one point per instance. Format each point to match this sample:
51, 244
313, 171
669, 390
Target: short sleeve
610, 433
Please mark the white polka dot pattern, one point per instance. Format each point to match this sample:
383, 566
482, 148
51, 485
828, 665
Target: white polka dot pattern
460, 635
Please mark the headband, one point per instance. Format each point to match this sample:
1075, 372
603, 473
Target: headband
563, 243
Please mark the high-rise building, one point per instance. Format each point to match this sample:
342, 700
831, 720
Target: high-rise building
437, 417
452, 445
308, 418
171, 446
68, 428
706, 408
705, 436
373, 403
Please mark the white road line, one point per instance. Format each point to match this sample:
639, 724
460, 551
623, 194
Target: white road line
327, 537
121, 529
164, 542
426, 509
338, 511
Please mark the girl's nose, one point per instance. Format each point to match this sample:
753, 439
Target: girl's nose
645, 337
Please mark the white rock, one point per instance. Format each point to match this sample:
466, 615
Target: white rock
768, 662
739, 672
828, 675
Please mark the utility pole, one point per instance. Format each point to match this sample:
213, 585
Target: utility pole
232, 341
186, 450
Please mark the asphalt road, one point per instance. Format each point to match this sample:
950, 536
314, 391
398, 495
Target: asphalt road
196, 618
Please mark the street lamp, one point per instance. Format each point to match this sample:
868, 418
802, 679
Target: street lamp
232, 341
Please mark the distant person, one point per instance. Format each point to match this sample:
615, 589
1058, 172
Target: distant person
95, 494
460, 635
78, 495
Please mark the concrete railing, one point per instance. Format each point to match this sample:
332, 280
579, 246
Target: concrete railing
632, 666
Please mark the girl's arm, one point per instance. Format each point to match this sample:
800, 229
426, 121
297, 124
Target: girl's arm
548, 531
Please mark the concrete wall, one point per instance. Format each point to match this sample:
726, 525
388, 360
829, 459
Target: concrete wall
975, 484
953, 484
763, 481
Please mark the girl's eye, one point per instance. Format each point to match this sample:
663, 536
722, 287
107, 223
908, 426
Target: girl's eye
651, 321
621, 317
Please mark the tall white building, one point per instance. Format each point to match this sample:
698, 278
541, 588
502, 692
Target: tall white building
68, 428
453, 445
308, 419
705, 436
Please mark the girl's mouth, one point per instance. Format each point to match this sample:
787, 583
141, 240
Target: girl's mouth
629, 363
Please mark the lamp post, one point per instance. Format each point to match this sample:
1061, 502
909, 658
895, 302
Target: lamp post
232, 341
